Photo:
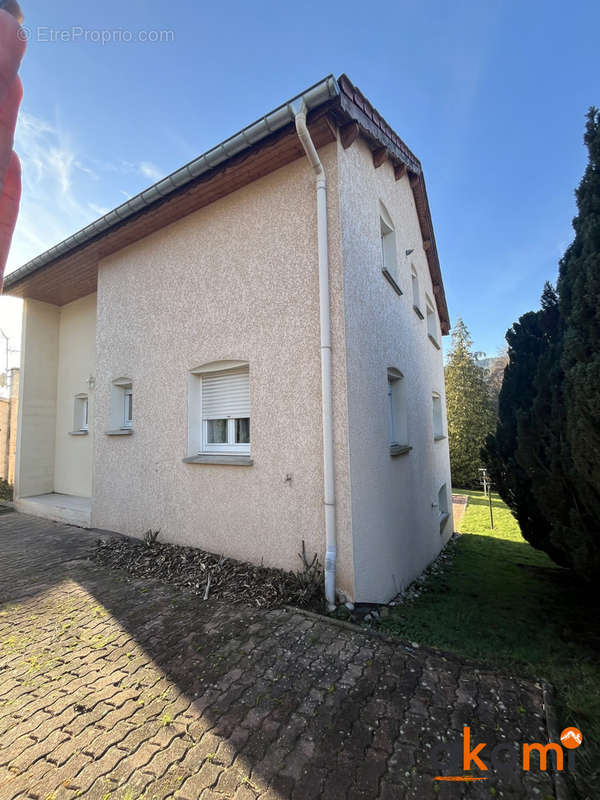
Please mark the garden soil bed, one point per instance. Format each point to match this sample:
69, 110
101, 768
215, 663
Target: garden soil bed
213, 576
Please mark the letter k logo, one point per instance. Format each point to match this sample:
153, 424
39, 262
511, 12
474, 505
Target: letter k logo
471, 755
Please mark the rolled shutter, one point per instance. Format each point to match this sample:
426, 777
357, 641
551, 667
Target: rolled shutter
226, 395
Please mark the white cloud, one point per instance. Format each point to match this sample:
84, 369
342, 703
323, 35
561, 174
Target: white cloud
151, 171
62, 192
61, 187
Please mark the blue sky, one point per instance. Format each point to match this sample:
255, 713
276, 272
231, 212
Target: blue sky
490, 95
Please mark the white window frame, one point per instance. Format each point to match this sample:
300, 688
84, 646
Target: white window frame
442, 503
231, 446
198, 443
121, 390
389, 254
416, 291
437, 416
432, 325
128, 407
397, 411
81, 413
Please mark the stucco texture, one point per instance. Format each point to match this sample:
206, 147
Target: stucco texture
73, 471
395, 517
36, 429
236, 280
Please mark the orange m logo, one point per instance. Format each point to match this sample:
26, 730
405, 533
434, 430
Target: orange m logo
543, 751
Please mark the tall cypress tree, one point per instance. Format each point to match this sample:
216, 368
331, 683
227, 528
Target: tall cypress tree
514, 456
579, 292
545, 455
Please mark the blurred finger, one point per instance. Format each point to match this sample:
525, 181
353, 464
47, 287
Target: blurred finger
12, 48
13, 8
9, 208
8, 118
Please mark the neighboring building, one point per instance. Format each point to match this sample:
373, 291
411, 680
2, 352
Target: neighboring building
181, 355
8, 427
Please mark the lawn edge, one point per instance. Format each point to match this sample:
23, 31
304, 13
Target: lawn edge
389, 638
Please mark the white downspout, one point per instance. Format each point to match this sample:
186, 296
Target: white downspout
326, 382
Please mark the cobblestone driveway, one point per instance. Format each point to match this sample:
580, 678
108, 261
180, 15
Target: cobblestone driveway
112, 688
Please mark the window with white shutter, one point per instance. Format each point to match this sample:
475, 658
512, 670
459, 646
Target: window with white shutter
226, 411
219, 412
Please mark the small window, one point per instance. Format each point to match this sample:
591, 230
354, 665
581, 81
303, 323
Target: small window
432, 328
389, 262
121, 405
397, 413
81, 413
128, 407
443, 506
438, 423
416, 291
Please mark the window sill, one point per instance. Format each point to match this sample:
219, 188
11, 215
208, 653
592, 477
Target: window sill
433, 341
119, 432
439, 437
418, 312
400, 449
443, 520
390, 278
235, 459
78, 433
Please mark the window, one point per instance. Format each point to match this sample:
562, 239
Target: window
443, 506
397, 412
415, 291
432, 330
438, 424
226, 411
219, 409
127, 407
121, 407
389, 264
81, 413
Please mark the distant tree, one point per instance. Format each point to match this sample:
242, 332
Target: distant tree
495, 376
545, 455
470, 411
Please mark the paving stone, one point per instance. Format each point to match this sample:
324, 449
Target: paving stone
113, 686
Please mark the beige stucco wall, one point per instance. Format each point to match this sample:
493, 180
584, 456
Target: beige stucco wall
4, 434
396, 527
76, 364
236, 280
14, 415
36, 429
8, 427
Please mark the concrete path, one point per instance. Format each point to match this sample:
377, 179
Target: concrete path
115, 689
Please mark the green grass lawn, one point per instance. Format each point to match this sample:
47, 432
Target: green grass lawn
507, 604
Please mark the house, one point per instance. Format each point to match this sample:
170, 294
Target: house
8, 426
247, 355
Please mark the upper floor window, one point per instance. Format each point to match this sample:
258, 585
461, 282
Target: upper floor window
219, 405
416, 292
389, 261
438, 419
398, 413
432, 326
81, 413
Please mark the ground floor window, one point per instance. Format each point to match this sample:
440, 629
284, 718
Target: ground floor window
219, 408
81, 413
